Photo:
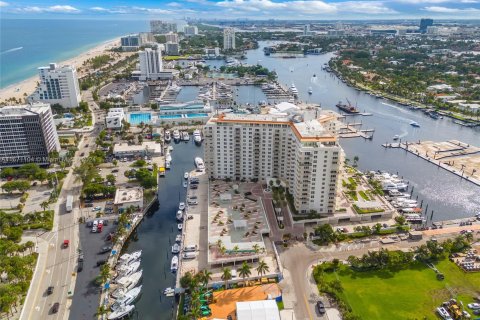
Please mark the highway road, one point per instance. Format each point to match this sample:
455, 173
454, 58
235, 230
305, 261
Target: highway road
57, 266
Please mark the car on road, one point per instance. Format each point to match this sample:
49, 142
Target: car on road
320, 307
50, 290
80, 266
55, 307
66, 243
94, 229
105, 249
101, 262
97, 208
80, 257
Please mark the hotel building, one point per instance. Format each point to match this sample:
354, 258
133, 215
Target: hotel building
58, 85
151, 65
229, 39
301, 150
27, 134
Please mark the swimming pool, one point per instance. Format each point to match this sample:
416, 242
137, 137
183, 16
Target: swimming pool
137, 118
196, 115
170, 116
180, 107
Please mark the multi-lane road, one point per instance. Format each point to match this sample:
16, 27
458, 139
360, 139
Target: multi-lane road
57, 266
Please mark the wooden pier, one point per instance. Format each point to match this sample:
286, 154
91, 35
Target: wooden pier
349, 131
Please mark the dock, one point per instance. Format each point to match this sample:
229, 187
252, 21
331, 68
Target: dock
454, 156
349, 130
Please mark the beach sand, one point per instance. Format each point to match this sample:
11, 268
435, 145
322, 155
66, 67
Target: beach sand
27, 86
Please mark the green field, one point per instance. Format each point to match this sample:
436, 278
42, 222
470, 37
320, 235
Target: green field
412, 293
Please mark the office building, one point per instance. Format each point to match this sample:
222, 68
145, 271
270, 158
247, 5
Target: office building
27, 134
171, 37
172, 48
190, 31
299, 149
424, 24
114, 118
58, 85
229, 39
151, 64
162, 27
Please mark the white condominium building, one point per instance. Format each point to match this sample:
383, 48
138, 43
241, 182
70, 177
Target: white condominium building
304, 154
151, 65
58, 85
229, 39
27, 134
114, 118
171, 37
190, 31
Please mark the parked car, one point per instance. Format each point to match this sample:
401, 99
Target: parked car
50, 290
94, 229
80, 266
66, 243
80, 257
55, 307
321, 307
101, 262
105, 249
474, 305
89, 224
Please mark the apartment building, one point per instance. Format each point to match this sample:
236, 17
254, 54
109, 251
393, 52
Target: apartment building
27, 134
190, 31
58, 85
151, 65
162, 27
171, 37
302, 151
229, 39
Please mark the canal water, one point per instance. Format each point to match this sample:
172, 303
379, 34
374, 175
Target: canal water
156, 234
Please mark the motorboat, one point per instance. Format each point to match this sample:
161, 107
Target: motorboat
310, 91
121, 267
185, 175
181, 206
174, 264
199, 163
128, 258
197, 136
168, 136
170, 148
121, 312
293, 89
414, 124
178, 238
176, 135
128, 269
127, 299
167, 164
129, 282
396, 137
185, 184
175, 248
179, 215
185, 136
180, 226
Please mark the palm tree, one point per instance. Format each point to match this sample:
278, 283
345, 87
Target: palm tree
205, 277
256, 249
105, 272
226, 275
44, 205
245, 271
262, 268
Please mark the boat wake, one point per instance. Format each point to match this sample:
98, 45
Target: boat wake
12, 50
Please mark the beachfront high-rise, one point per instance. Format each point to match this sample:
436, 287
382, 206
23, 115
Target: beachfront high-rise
58, 85
161, 27
27, 134
229, 39
151, 65
301, 151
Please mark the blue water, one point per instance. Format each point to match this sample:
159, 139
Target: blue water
26, 44
137, 118
170, 116
184, 107
196, 115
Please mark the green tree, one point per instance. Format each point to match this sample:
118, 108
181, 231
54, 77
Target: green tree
325, 234
44, 205
262, 268
226, 275
245, 271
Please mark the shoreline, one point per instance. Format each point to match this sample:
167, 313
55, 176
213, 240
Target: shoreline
19, 89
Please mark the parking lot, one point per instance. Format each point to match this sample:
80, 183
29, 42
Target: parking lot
87, 293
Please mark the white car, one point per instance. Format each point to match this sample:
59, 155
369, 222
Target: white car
474, 306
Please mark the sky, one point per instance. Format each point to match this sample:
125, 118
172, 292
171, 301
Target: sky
237, 9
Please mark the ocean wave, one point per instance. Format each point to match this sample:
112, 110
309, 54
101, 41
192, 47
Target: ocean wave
12, 50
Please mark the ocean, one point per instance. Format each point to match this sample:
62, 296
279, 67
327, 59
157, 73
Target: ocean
26, 44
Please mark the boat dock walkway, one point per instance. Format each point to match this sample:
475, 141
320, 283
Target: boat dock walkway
349, 131
464, 164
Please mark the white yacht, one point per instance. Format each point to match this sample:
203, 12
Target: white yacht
180, 226
293, 89
176, 135
178, 238
310, 91
197, 136
179, 215
128, 258
199, 163
127, 299
185, 136
185, 175
127, 270
181, 206
129, 282
168, 291
168, 157
175, 248
121, 312
174, 264
168, 136
396, 137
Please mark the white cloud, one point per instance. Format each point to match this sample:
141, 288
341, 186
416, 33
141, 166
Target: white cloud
470, 1
423, 1
174, 4
3, 4
367, 7
451, 10
53, 9
99, 9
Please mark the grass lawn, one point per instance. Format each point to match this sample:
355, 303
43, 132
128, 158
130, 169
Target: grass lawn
412, 293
